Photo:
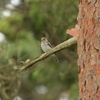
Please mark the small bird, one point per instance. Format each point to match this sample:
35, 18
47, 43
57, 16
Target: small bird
46, 46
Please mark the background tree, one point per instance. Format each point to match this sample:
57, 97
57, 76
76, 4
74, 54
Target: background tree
23, 27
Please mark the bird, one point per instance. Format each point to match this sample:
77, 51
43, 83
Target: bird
46, 46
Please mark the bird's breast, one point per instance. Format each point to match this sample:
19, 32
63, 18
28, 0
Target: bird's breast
45, 47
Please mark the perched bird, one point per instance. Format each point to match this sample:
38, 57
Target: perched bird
46, 46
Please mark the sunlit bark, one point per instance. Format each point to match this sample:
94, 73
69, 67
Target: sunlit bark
89, 49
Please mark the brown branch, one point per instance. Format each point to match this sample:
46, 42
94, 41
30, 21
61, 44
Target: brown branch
57, 48
4, 93
8, 78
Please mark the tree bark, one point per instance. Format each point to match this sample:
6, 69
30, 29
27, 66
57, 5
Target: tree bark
89, 49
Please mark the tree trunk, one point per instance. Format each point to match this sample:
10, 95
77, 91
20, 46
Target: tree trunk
89, 49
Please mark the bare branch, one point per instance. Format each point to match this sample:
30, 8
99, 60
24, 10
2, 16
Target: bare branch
6, 77
57, 48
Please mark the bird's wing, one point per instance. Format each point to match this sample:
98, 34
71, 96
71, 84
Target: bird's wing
49, 44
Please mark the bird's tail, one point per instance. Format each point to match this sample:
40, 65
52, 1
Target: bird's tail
55, 58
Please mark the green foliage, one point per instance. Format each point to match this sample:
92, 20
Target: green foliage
23, 32
74, 92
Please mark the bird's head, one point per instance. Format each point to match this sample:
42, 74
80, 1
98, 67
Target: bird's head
43, 39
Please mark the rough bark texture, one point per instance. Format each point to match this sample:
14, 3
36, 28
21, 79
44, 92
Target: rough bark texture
89, 49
